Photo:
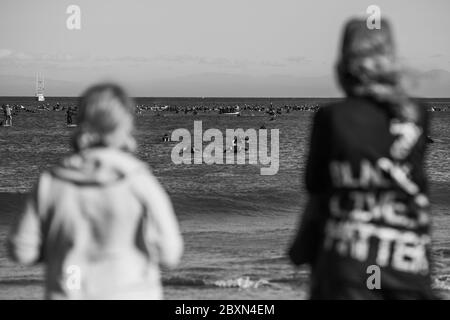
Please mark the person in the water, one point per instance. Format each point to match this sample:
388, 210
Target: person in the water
366, 228
234, 146
4, 114
69, 115
8, 115
100, 215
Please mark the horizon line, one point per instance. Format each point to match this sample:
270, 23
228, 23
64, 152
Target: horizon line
218, 97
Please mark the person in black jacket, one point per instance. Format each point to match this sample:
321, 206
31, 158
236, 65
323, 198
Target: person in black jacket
368, 206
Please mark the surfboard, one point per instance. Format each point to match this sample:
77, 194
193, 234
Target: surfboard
72, 125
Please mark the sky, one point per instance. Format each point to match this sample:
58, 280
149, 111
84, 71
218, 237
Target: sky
209, 47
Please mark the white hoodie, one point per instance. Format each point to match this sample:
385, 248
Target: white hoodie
102, 224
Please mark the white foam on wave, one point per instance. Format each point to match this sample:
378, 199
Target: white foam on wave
242, 283
441, 283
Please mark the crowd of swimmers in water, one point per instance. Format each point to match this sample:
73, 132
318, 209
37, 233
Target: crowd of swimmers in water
227, 109
273, 111
71, 109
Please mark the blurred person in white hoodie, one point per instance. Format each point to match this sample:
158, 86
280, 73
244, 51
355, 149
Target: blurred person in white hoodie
99, 221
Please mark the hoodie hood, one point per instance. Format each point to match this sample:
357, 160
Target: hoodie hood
98, 166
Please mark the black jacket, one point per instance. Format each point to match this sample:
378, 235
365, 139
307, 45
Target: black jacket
359, 213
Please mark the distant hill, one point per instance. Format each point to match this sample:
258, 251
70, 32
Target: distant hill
430, 84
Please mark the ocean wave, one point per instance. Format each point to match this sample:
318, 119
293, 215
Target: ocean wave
188, 282
22, 281
441, 283
262, 204
274, 260
240, 282
244, 282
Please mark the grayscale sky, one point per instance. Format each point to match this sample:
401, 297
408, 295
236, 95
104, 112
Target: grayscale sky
209, 47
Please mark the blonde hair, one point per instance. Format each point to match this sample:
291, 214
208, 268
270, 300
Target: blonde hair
105, 119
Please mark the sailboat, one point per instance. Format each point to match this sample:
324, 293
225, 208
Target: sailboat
40, 87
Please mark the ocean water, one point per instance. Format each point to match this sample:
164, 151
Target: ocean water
236, 223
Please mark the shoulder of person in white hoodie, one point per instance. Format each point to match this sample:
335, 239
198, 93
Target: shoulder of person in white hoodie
159, 208
26, 238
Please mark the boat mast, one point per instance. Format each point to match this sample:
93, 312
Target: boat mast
40, 87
